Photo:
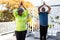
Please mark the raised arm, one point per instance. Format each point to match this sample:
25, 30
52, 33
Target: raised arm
49, 8
23, 5
15, 13
40, 8
19, 5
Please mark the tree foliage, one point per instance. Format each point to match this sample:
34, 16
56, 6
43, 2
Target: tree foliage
7, 15
15, 3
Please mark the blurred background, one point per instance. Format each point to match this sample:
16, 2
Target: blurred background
7, 20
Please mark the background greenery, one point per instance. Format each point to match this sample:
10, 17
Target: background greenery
6, 16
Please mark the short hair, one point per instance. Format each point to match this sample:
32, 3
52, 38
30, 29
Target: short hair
43, 8
20, 9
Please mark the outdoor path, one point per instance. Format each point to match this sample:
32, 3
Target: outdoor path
11, 37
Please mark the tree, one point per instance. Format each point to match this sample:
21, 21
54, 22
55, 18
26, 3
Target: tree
15, 3
12, 4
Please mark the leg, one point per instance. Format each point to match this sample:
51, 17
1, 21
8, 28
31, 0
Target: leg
41, 32
18, 35
45, 32
24, 35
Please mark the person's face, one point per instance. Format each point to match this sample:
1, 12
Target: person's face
43, 9
20, 12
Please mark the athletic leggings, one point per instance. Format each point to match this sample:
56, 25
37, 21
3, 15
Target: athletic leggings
43, 32
20, 35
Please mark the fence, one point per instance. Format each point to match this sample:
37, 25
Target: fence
7, 27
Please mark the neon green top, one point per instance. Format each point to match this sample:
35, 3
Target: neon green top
20, 20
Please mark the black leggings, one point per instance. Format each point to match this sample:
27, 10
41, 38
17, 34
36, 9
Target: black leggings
20, 35
43, 32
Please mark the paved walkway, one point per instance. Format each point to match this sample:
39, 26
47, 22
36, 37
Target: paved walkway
11, 37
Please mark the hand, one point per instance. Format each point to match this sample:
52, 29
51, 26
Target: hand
43, 3
21, 3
